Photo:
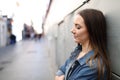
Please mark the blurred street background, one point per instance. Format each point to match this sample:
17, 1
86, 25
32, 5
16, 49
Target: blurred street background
35, 37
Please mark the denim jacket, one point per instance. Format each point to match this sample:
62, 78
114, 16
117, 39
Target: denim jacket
84, 71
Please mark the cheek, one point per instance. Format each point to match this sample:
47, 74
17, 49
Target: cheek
83, 35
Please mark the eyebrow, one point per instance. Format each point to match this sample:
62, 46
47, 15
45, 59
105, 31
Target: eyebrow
77, 24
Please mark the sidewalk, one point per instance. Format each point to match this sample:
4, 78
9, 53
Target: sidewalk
27, 60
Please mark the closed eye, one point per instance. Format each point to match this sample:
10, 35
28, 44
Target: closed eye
77, 26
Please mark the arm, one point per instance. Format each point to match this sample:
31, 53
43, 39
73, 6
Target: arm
61, 72
62, 69
60, 75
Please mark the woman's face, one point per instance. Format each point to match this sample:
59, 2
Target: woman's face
79, 30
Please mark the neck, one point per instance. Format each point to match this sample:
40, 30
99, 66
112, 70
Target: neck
86, 47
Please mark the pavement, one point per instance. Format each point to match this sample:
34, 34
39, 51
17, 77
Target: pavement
27, 60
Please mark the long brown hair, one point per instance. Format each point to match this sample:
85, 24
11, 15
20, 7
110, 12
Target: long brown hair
96, 26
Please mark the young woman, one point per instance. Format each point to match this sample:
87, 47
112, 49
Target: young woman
89, 60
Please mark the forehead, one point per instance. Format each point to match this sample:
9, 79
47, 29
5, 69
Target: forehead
78, 19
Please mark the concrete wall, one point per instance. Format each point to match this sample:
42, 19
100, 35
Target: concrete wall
3, 32
65, 44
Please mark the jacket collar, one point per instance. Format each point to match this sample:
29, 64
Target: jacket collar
86, 57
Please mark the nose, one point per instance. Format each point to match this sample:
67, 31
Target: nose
72, 30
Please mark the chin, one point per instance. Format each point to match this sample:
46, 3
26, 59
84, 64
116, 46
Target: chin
76, 41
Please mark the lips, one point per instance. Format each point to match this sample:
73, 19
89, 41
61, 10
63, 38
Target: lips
75, 36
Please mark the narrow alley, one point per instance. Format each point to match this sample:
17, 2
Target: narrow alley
59, 39
26, 60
